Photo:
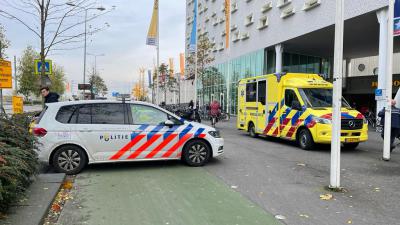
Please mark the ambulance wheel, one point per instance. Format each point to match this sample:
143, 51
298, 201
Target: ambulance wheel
196, 153
252, 131
69, 159
350, 146
305, 139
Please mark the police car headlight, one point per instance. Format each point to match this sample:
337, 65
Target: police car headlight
215, 134
322, 120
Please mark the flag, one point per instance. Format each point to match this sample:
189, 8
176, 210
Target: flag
152, 35
171, 67
228, 22
149, 76
193, 36
182, 65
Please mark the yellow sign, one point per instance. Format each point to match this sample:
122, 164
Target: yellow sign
17, 104
152, 35
5, 74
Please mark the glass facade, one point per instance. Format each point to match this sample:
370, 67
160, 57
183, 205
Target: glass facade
253, 64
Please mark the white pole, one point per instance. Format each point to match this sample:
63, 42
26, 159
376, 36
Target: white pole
337, 96
382, 16
195, 67
389, 79
158, 56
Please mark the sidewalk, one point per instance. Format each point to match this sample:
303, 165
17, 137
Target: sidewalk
39, 196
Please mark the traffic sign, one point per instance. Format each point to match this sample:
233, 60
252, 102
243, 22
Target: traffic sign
48, 67
378, 92
17, 104
5, 74
84, 86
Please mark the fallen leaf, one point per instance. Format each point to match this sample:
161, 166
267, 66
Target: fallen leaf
326, 197
45, 188
280, 217
349, 221
234, 187
301, 164
304, 215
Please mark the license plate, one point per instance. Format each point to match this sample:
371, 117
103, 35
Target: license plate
351, 140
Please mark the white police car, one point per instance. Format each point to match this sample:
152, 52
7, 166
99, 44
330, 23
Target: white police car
74, 134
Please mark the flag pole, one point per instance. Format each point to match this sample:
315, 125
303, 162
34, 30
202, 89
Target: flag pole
196, 55
158, 54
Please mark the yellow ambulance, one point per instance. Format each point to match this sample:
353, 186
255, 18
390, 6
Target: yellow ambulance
295, 107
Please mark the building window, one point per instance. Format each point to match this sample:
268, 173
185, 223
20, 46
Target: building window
263, 23
221, 46
265, 8
310, 4
234, 7
287, 12
249, 20
233, 27
221, 20
282, 3
223, 33
236, 36
245, 36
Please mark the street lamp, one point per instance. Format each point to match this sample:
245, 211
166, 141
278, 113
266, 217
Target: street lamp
95, 60
84, 54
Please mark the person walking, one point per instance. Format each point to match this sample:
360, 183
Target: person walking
215, 110
395, 126
49, 97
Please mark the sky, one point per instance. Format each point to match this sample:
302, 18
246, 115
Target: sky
123, 43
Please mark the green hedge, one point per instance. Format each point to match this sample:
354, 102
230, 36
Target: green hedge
18, 159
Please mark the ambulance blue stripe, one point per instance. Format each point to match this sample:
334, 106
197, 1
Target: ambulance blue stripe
308, 120
136, 133
185, 131
295, 118
198, 132
272, 115
170, 131
286, 114
347, 116
154, 131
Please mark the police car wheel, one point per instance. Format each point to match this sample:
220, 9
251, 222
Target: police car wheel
305, 140
252, 131
196, 153
69, 159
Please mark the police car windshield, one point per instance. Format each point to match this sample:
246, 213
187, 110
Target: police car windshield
319, 97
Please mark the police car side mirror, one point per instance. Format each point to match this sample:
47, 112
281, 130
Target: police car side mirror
296, 105
169, 123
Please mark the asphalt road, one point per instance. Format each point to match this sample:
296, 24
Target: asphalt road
253, 181
285, 180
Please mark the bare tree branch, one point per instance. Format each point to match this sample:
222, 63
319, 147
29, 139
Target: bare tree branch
10, 16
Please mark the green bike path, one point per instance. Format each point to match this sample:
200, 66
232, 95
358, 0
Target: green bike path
166, 193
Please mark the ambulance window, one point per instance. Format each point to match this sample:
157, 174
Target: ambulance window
290, 96
261, 92
251, 92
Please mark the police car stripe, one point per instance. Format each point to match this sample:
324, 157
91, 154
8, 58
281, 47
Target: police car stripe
154, 131
142, 148
161, 146
169, 132
185, 131
198, 132
177, 145
136, 136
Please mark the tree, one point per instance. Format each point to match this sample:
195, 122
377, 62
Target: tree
26, 77
167, 82
29, 83
204, 48
4, 43
98, 86
58, 80
53, 22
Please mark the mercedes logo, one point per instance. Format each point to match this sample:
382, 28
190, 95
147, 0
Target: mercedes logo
352, 124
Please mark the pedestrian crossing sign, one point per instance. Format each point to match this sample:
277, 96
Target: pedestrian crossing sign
48, 67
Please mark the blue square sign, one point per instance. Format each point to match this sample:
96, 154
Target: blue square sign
378, 92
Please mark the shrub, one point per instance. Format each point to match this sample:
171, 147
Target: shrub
18, 159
